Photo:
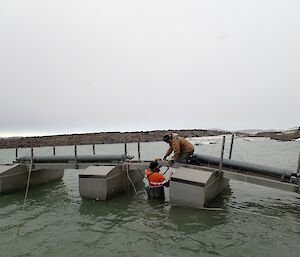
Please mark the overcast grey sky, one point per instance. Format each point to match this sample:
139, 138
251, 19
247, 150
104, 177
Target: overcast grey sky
71, 66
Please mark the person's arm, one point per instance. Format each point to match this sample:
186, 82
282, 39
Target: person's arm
170, 150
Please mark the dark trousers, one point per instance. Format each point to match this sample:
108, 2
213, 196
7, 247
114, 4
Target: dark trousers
156, 192
183, 158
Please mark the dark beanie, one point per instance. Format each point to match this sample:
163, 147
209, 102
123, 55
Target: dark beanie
166, 138
153, 165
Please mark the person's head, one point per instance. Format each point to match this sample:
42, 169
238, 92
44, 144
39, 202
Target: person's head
154, 166
167, 138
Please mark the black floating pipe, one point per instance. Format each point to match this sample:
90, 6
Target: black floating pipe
245, 166
80, 158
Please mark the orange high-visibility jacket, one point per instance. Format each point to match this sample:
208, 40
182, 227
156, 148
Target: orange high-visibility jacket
154, 178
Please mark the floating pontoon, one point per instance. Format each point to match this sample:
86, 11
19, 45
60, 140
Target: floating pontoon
103, 176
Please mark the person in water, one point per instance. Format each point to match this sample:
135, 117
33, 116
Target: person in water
156, 180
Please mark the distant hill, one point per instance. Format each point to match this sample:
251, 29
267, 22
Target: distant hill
102, 138
136, 136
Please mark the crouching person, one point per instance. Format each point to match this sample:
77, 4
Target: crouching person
157, 181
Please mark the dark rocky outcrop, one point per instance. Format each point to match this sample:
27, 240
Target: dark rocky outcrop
280, 135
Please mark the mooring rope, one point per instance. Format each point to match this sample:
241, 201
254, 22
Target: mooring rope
24, 203
127, 172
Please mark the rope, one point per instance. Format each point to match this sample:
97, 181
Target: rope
127, 172
24, 202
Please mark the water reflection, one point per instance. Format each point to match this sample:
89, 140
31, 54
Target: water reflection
221, 201
42, 194
118, 204
43, 206
192, 220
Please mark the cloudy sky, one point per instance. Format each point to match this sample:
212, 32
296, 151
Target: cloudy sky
73, 66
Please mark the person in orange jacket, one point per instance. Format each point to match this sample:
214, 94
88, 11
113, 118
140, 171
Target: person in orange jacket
182, 148
156, 180
153, 175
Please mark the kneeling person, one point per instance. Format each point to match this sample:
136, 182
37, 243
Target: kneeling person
181, 147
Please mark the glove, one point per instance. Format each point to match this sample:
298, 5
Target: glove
167, 184
171, 162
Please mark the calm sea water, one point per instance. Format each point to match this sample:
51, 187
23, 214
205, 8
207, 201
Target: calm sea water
253, 220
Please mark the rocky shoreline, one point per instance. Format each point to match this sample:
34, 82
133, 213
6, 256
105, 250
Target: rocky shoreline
101, 138
137, 136
288, 135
